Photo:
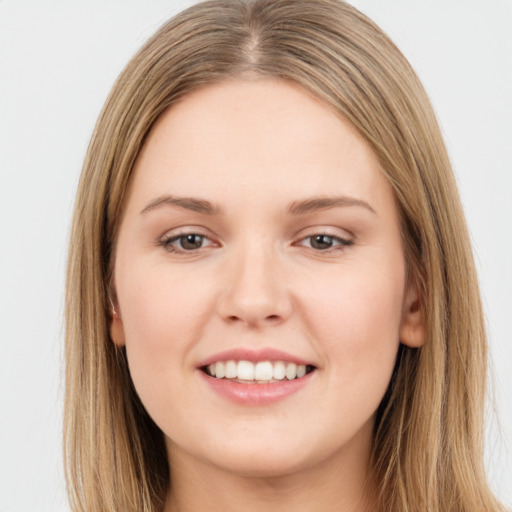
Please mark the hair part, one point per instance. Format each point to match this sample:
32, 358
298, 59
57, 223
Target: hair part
428, 448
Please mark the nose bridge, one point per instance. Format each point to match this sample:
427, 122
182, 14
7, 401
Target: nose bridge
255, 290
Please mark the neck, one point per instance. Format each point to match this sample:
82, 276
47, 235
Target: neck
338, 484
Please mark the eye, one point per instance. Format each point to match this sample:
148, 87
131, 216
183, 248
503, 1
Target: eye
324, 242
186, 242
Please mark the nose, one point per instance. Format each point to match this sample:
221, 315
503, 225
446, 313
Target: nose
255, 292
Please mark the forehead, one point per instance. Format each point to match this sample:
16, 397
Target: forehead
254, 136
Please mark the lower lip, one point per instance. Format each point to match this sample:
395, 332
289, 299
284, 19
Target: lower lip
256, 394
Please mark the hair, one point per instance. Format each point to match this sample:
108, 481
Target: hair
428, 435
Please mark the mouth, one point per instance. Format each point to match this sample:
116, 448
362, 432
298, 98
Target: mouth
261, 372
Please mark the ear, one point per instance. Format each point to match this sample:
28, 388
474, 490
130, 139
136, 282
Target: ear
116, 327
412, 329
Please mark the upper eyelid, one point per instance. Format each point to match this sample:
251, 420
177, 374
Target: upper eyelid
171, 236
345, 242
171, 243
304, 233
176, 236
185, 230
334, 232
330, 235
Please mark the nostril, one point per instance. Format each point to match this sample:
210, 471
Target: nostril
235, 318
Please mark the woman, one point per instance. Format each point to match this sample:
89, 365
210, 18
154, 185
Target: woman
271, 297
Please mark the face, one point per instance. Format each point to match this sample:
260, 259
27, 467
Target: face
260, 282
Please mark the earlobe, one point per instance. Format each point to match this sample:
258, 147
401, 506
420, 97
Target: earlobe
116, 328
412, 330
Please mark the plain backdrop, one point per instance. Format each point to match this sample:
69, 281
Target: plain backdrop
58, 60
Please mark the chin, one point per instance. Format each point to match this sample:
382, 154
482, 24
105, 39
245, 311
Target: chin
271, 456
255, 464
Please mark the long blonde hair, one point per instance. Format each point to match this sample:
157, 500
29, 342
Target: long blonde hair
427, 453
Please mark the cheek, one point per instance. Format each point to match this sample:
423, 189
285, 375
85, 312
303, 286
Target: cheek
164, 313
159, 302
357, 326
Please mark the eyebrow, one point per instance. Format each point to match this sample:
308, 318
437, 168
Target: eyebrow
188, 203
296, 208
324, 203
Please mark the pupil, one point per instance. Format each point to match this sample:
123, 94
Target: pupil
322, 242
191, 241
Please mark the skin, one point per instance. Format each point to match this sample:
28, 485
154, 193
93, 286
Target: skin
254, 148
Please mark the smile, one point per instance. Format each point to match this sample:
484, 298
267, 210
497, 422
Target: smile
252, 377
262, 372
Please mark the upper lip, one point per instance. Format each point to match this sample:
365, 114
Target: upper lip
253, 355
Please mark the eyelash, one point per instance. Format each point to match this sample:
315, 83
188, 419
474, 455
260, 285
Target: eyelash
167, 242
340, 243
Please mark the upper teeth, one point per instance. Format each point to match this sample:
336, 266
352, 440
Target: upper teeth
262, 371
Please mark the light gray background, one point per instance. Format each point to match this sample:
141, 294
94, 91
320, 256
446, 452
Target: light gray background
58, 61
